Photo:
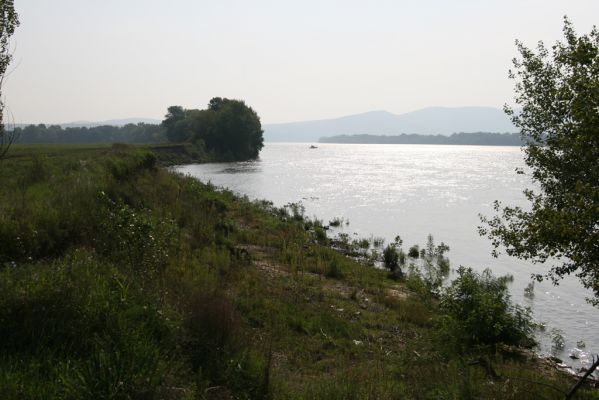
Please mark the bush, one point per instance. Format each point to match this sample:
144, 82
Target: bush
217, 350
333, 270
414, 251
129, 163
134, 237
390, 258
477, 311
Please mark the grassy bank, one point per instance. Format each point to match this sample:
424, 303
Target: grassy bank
120, 279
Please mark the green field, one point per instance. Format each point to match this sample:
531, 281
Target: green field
122, 280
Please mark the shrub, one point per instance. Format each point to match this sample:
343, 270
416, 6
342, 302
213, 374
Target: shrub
414, 251
128, 163
435, 266
134, 237
333, 271
216, 348
478, 312
390, 257
393, 259
320, 235
213, 326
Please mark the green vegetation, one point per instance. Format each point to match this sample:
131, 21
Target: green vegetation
227, 129
394, 258
121, 280
558, 93
478, 312
9, 20
55, 134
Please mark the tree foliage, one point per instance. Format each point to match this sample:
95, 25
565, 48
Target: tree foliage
557, 90
130, 133
9, 20
227, 128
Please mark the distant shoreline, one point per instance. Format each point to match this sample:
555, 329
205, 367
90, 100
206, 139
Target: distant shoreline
475, 139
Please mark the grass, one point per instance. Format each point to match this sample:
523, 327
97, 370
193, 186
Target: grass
120, 279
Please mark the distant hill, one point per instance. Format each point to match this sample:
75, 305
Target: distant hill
427, 121
474, 138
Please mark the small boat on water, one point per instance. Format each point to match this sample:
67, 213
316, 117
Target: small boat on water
313, 147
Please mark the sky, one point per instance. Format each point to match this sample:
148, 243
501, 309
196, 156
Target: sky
96, 60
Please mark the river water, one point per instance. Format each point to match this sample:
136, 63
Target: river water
411, 191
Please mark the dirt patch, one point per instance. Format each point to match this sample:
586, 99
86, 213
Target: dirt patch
271, 270
398, 293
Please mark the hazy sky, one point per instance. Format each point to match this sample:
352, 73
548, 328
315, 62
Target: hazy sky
289, 60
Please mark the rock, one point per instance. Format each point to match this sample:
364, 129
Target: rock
555, 360
575, 354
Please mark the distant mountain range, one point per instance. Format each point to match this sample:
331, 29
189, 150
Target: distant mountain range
427, 121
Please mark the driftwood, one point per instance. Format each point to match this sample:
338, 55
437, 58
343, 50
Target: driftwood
578, 384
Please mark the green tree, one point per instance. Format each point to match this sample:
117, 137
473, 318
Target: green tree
177, 128
9, 20
229, 129
237, 132
557, 90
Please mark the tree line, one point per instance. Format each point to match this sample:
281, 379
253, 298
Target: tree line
474, 138
227, 130
55, 134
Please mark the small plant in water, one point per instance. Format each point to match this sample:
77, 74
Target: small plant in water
558, 341
378, 242
529, 290
336, 222
394, 258
297, 210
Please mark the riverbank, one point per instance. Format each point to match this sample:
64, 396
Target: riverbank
122, 279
